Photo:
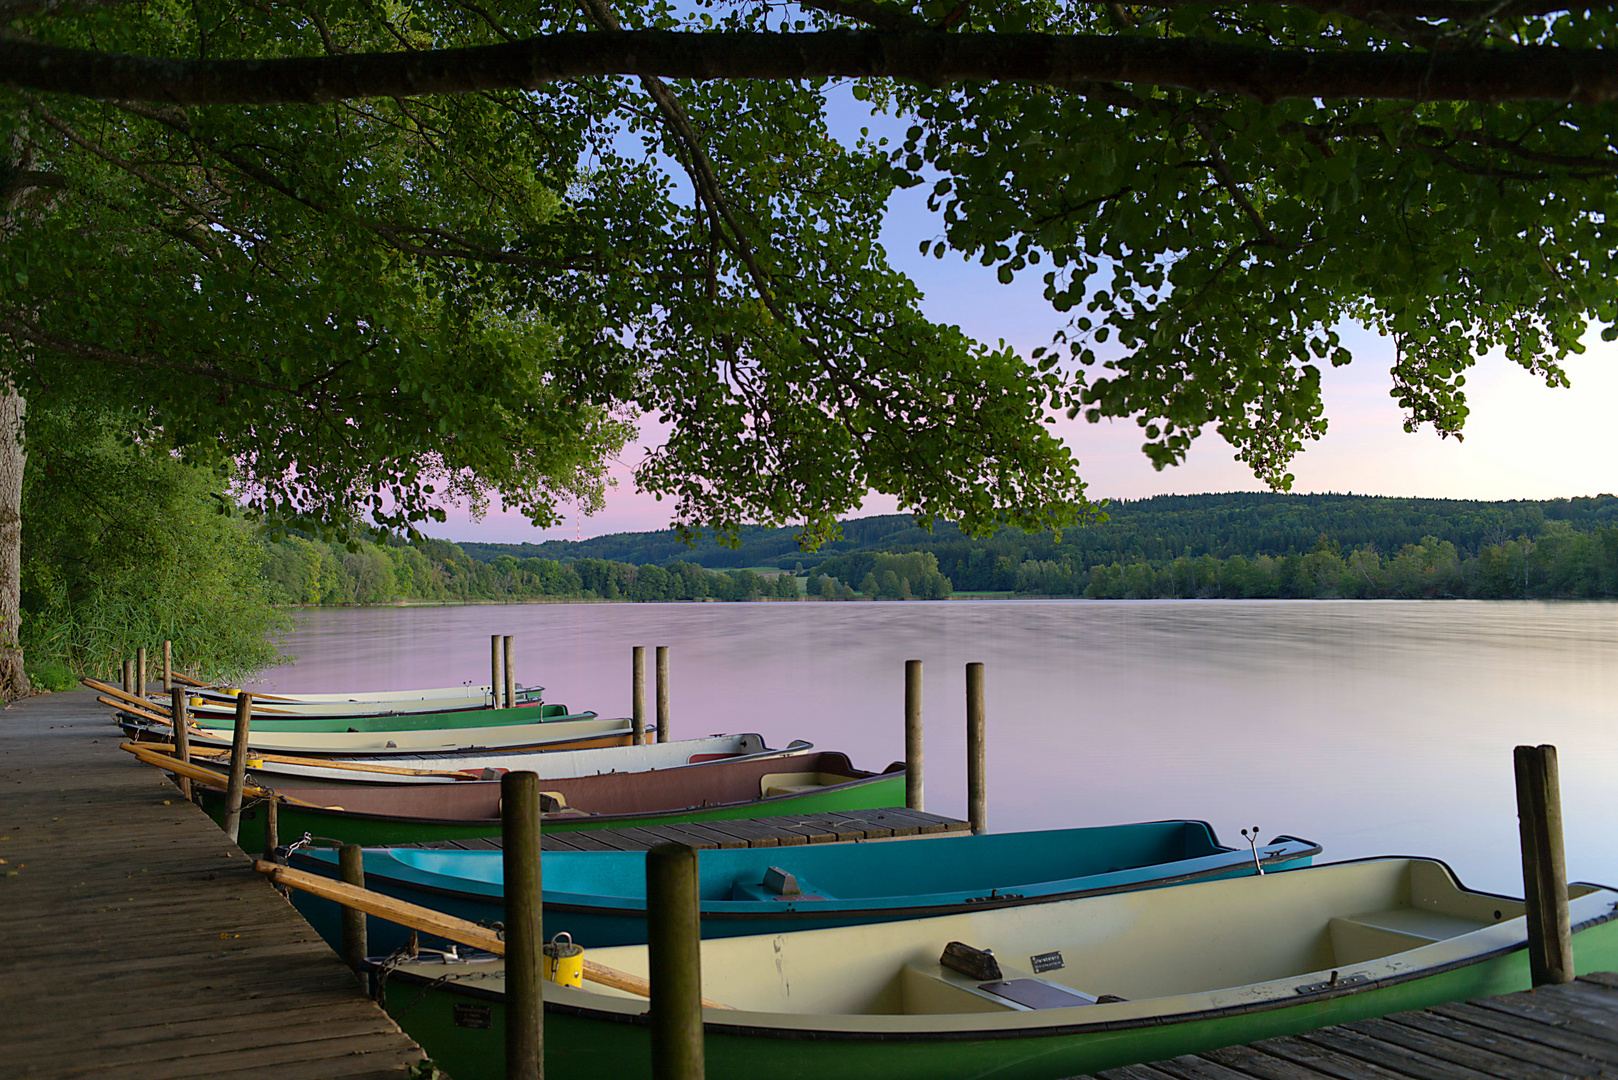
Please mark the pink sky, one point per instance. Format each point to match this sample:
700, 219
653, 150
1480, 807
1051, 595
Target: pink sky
1523, 440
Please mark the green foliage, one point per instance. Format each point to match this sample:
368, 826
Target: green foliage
124, 545
374, 307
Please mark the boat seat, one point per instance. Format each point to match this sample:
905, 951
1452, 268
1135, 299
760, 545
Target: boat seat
791, 783
1375, 934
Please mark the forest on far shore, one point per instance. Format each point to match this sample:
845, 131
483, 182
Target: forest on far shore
1230, 546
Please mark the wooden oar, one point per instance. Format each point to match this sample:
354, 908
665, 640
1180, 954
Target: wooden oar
333, 763
168, 763
130, 699
186, 680
136, 710
437, 923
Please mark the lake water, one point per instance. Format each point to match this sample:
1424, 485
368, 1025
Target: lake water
1374, 728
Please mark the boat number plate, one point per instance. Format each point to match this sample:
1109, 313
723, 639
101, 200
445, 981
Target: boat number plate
473, 1016
1046, 961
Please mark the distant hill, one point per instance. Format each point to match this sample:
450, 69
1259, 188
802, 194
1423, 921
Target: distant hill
759, 547
1157, 529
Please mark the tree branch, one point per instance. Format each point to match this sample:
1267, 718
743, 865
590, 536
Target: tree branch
1072, 62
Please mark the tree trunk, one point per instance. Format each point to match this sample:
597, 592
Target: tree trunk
13, 456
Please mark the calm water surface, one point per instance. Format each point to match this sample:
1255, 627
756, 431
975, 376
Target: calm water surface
1374, 728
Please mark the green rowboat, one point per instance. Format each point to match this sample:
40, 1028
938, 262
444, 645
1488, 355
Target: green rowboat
1083, 985
431, 721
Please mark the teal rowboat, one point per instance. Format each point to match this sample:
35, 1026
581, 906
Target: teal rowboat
599, 897
1084, 985
378, 815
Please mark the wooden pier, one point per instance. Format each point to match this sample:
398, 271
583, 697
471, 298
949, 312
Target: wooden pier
1552, 1033
136, 942
787, 830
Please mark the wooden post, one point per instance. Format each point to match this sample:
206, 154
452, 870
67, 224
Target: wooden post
238, 766
494, 671
977, 794
637, 694
662, 693
511, 674
182, 733
674, 962
129, 676
168, 666
913, 734
1544, 868
351, 869
525, 931
272, 828
140, 670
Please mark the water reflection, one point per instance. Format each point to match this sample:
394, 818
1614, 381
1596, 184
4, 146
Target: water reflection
1373, 727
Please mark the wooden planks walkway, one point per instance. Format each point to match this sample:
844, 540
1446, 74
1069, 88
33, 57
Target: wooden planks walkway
135, 941
832, 826
1553, 1033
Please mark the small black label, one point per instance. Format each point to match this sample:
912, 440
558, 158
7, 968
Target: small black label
472, 1016
1046, 961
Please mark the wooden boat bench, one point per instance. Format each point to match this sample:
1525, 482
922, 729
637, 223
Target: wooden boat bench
1375, 934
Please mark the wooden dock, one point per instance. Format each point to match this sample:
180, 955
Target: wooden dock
1552, 1033
832, 826
136, 942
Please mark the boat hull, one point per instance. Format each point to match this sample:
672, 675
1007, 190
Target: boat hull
598, 896
584, 1045
422, 721
560, 734
470, 810
594, 1034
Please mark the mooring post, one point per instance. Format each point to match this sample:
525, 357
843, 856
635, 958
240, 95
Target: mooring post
351, 869
525, 931
913, 734
129, 676
977, 791
168, 666
662, 693
1544, 867
494, 671
182, 733
637, 694
674, 962
238, 766
511, 674
272, 828
140, 670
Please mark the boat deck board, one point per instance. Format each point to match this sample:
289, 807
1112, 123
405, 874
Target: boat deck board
1552, 1033
138, 944
832, 826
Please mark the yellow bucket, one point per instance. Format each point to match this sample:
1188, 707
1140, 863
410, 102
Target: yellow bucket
564, 961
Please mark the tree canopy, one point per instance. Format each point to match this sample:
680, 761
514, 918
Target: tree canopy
367, 241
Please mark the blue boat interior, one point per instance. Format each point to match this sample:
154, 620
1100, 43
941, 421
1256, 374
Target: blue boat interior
947, 869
